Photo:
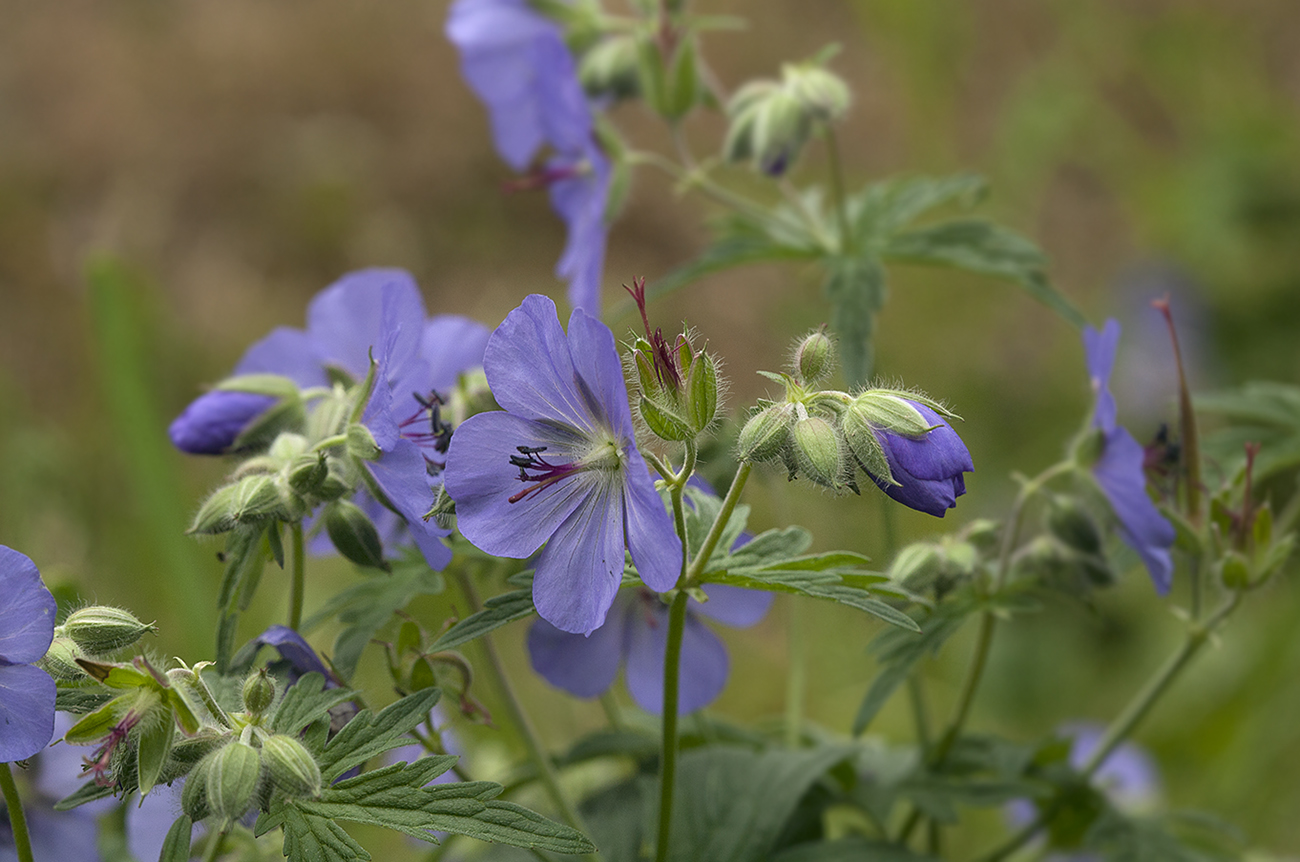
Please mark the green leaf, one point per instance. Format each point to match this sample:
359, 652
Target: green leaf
95, 725
855, 287
176, 847
732, 804
497, 611
151, 754
368, 735
80, 701
366, 607
395, 797
305, 702
985, 248
898, 652
883, 208
88, 792
1260, 412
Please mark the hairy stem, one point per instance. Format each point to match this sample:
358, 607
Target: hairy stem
668, 763
17, 820
796, 678
715, 531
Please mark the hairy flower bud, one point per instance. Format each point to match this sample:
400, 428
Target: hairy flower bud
99, 629
766, 433
308, 474
818, 452
768, 127
252, 498
354, 534
60, 660
292, 768
611, 68
232, 779
258, 693
814, 358
823, 94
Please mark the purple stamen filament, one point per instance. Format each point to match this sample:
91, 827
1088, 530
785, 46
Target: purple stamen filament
438, 435
534, 468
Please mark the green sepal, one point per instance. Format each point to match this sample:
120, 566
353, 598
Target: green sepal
153, 746
664, 424
95, 726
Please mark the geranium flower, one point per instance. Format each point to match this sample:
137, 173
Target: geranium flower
1119, 469
635, 635
516, 61
26, 629
926, 470
559, 467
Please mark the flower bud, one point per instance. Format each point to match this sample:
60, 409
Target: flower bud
768, 127
814, 358
232, 779
291, 766
60, 660
701, 391
354, 535
99, 630
251, 498
258, 693
824, 95
916, 566
610, 68
766, 433
194, 796
308, 473
361, 443
817, 451
1070, 523
1234, 571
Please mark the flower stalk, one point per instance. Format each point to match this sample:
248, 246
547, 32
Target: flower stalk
17, 820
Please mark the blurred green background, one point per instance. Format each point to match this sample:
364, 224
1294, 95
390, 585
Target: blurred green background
237, 157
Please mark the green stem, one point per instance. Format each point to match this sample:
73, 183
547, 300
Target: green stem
920, 713
17, 820
1198, 635
795, 679
613, 714
715, 531
541, 761
668, 766
984, 640
299, 567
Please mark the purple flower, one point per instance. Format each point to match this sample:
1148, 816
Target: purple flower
26, 629
1119, 469
636, 635
516, 61
928, 469
560, 467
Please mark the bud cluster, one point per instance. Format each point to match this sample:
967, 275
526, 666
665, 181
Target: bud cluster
772, 120
827, 435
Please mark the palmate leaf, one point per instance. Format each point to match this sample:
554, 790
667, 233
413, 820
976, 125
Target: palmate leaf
368, 735
856, 289
304, 702
395, 797
1260, 412
850, 850
497, 611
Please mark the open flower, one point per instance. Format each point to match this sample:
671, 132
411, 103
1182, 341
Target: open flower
1119, 469
26, 629
635, 635
559, 467
517, 62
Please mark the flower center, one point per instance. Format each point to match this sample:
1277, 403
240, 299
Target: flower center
426, 429
541, 473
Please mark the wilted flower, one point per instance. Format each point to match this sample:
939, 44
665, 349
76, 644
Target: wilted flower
26, 629
635, 635
1119, 468
567, 436
517, 62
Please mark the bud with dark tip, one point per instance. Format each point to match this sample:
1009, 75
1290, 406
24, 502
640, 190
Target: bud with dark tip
1070, 523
